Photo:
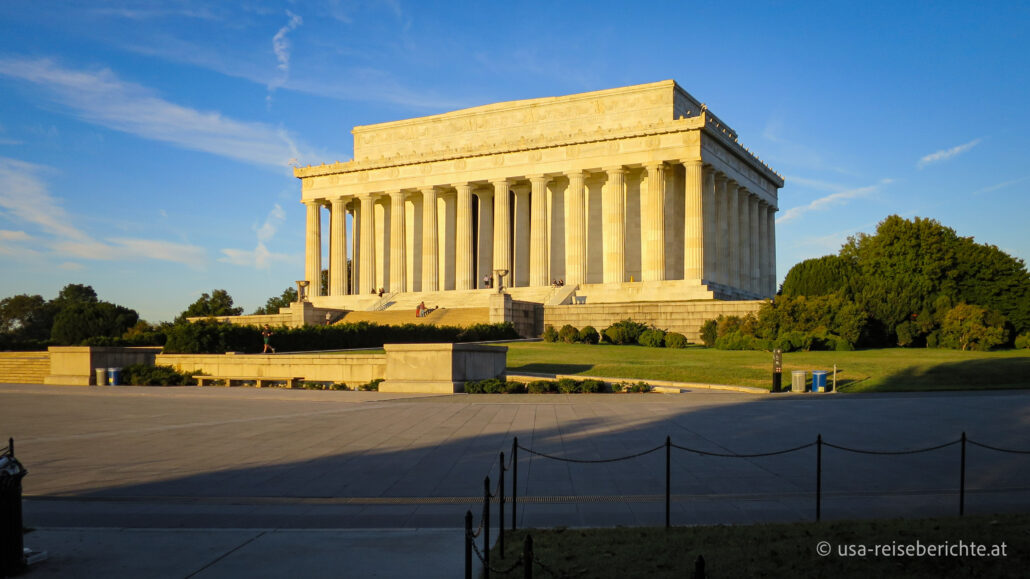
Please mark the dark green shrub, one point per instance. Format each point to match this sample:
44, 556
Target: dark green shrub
790, 341
372, 386
568, 386
652, 338
933, 340
639, 387
1022, 341
540, 387
709, 333
515, 388
568, 334
970, 327
339, 386
589, 335
676, 340
474, 387
147, 375
624, 332
550, 334
737, 341
591, 386
494, 386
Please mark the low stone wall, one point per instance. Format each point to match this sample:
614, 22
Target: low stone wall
683, 317
24, 367
440, 368
353, 369
75, 365
525, 316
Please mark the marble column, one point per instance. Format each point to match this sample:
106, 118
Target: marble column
520, 236
338, 247
708, 226
693, 222
539, 262
313, 248
367, 263
763, 249
733, 233
754, 281
502, 230
486, 236
398, 237
575, 230
744, 238
613, 225
430, 242
722, 247
652, 226
771, 245
464, 272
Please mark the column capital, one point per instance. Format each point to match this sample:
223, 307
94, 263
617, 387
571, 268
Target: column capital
698, 163
538, 178
503, 182
652, 165
339, 201
462, 184
618, 169
720, 178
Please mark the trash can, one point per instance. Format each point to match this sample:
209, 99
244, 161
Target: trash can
12, 545
798, 381
818, 381
101, 376
113, 376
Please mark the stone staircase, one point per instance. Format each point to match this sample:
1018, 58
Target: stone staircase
24, 367
461, 317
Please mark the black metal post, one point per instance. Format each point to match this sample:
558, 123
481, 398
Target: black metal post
10, 447
818, 477
668, 477
500, 510
527, 557
468, 544
486, 528
514, 478
962, 479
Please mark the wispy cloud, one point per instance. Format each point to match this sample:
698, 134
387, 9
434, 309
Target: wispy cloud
281, 47
1000, 186
100, 97
260, 257
25, 198
945, 154
834, 199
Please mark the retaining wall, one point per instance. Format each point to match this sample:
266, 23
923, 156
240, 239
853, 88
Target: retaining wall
24, 367
683, 317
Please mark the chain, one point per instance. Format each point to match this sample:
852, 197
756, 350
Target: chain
892, 452
735, 455
989, 447
584, 461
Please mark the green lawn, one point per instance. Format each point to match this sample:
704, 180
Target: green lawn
779, 550
893, 369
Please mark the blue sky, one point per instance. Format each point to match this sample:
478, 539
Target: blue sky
144, 146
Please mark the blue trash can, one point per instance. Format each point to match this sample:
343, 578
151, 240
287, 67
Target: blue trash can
113, 376
818, 381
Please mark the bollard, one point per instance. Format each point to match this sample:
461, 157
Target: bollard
514, 478
668, 477
500, 510
468, 544
12, 553
486, 528
699, 567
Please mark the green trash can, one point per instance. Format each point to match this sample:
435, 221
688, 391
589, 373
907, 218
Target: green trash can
798, 381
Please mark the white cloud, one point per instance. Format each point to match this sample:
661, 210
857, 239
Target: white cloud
100, 97
8, 235
1000, 186
281, 44
839, 198
945, 154
25, 196
72, 266
259, 257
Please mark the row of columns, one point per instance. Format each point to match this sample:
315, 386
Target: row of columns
728, 233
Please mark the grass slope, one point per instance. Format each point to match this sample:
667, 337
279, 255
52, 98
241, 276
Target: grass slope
893, 369
778, 550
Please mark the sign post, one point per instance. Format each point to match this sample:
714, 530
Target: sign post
777, 378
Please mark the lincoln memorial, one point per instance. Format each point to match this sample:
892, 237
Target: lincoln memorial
627, 195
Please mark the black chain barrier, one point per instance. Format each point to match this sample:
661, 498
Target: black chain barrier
513, 465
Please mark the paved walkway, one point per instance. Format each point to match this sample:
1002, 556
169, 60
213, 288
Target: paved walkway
311, 476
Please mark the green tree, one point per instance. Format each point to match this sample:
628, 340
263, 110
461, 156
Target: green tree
25, 317
819, 276
218, 303
273, 304
78, 322
970, 327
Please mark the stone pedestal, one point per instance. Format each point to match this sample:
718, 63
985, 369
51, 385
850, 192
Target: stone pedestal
440, 368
